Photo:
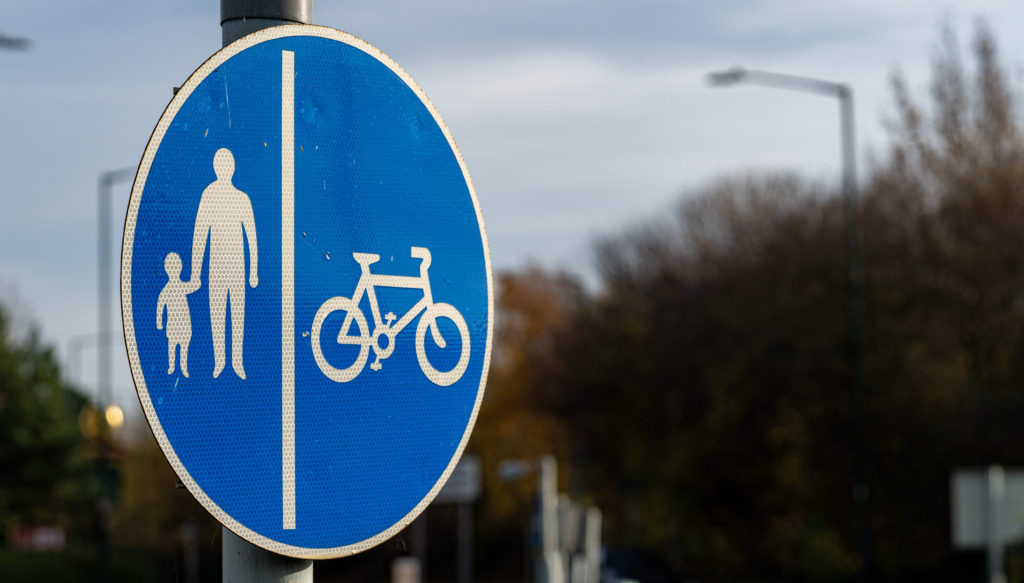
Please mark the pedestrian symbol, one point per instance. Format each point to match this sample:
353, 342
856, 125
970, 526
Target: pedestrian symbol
179, 321
301, 212
225, 220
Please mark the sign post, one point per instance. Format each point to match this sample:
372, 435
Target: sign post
242, 561
987, 512
306, 233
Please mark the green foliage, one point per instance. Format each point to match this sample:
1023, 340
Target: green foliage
153, 513
45, 475
51, 474
78, 566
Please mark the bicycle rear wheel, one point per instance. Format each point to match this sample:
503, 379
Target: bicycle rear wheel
362, 339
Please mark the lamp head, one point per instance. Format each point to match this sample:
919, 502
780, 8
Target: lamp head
726, 78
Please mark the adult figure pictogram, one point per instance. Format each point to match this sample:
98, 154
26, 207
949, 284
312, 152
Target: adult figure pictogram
225, 219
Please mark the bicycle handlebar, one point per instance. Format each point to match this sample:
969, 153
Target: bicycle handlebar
421, 253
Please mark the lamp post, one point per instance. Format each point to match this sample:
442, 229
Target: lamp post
104, 355
854, 271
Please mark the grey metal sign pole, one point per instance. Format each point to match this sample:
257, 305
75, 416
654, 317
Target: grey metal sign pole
241, 17
995, 479
242, 560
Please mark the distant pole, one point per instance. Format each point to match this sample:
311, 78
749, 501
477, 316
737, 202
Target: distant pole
465, 542
996, 483
242, 560
418, 544
549, 566
855, 328
592, 543
104, 355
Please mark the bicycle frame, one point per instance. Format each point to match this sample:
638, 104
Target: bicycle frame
426, 309
368, 282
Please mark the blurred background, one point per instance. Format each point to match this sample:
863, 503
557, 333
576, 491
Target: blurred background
769, 340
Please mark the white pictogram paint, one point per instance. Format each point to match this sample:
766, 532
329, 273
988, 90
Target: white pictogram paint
382, 337
224, 216
224, 222
179, 321
288, 289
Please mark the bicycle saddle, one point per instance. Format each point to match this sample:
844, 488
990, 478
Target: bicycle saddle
366, 258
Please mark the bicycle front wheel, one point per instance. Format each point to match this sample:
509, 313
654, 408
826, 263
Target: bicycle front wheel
362, 339
429, 320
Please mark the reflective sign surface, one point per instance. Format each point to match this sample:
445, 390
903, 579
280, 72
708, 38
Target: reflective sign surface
306, 292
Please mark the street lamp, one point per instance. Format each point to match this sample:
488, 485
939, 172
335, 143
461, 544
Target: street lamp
854, 268
14, 43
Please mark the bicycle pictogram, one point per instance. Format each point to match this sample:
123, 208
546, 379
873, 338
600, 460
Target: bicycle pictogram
382, 337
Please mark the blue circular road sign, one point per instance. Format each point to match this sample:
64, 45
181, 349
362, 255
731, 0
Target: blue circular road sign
306, 291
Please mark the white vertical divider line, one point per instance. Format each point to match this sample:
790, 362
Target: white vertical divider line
288, 287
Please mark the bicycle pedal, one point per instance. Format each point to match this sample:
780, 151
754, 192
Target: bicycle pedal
375, 365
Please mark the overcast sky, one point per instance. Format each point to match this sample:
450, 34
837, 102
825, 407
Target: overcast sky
575, 118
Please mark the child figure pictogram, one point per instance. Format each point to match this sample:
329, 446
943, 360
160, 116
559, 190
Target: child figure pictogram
174, 297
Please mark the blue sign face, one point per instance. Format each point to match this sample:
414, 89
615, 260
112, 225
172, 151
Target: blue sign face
306, 292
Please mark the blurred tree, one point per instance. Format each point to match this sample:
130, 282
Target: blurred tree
45, 473
946, 218
705, 384
155, 515
532, 306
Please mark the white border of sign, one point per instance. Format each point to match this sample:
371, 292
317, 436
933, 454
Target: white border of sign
126, 287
